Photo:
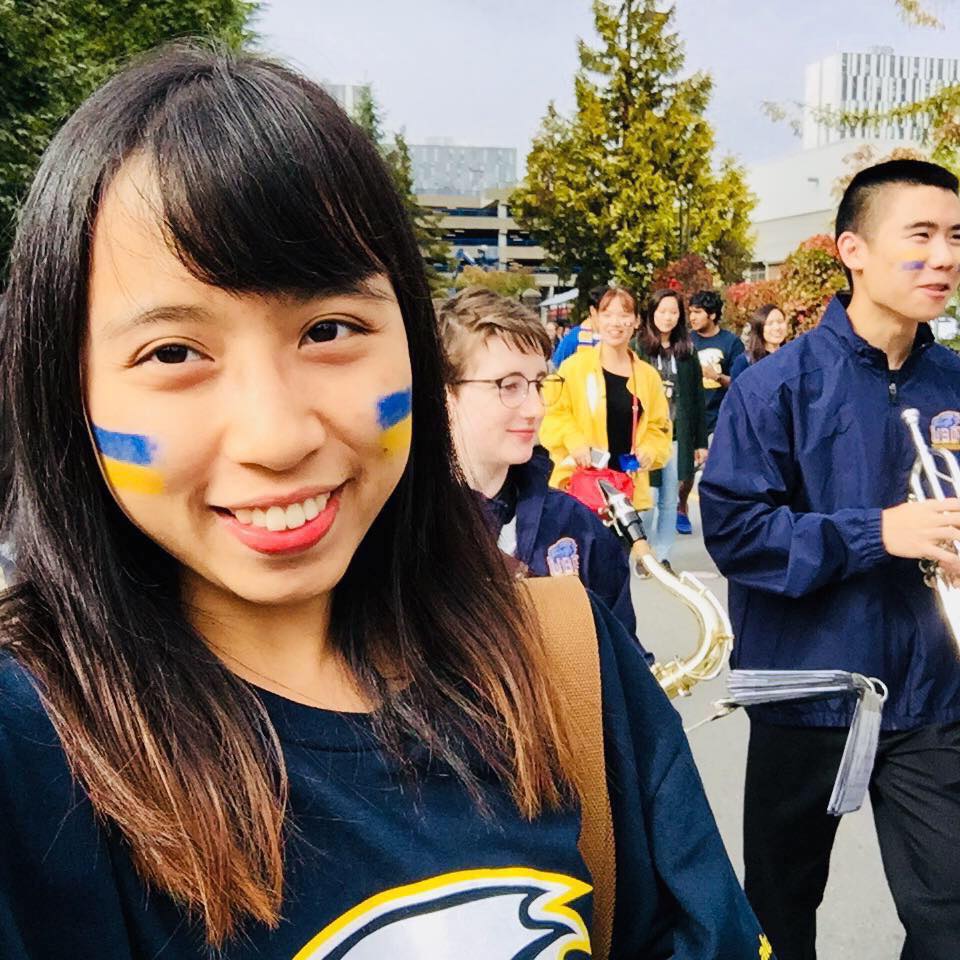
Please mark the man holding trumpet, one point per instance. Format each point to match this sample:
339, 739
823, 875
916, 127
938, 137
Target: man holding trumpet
803, 503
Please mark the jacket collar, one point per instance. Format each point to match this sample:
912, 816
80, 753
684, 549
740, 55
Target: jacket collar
836, 321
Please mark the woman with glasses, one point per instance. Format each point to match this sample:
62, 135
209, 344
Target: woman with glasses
612, 401
496, 358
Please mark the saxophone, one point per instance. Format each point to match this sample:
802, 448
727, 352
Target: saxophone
679, 676
927, 482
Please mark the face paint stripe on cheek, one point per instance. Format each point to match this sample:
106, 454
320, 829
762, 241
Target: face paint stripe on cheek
127, 460
913, 265
395, 419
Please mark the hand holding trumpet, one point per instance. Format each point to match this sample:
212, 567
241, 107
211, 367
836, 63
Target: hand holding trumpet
924, 530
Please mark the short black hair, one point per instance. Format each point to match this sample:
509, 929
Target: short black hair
857, 201
709, 301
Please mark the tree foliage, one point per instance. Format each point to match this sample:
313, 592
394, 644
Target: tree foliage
54, 53
809, 278
628, 183
426, 224
742, 299
687, 275
915, 14
508, 283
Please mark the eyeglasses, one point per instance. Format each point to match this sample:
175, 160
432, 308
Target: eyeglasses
514, 388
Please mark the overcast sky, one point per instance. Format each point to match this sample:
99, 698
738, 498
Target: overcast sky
483, 71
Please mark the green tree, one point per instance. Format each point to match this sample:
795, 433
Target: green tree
426, 223
628, 183
508, 283
53, 53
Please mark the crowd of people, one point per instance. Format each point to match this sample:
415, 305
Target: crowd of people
296, 661
609, 407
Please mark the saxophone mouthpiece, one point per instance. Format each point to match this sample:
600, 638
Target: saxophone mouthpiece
622, 512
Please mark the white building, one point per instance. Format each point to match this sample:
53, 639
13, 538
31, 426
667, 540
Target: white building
876, 81
796, 199
443, 167
481, 229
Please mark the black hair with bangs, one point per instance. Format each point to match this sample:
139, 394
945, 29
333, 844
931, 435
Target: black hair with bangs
265, 187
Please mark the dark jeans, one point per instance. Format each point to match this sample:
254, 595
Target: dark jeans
788, 835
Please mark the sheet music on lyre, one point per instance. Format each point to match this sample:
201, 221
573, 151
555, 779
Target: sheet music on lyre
754, 687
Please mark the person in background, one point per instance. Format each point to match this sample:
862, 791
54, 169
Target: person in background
553, 333
717, 349
583, 335
664, 343
769, 331
498, 387
611, 401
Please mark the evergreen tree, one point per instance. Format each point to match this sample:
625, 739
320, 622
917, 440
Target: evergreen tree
628, 184
54, 53
426, 224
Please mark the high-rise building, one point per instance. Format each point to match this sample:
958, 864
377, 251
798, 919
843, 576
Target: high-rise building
877, 81
442, 167
346, 94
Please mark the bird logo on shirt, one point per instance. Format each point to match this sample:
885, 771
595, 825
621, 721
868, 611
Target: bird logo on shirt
494, 914
766, 951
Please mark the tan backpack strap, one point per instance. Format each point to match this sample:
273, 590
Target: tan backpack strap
573, 658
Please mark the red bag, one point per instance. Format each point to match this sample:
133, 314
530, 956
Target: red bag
583, 485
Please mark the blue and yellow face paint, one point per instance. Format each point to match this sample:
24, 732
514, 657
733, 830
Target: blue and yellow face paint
915, 259
128, 461
395, 419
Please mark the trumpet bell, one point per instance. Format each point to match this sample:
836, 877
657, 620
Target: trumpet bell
936, 476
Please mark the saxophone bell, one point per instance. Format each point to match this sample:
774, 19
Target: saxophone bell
935, 476
679, 676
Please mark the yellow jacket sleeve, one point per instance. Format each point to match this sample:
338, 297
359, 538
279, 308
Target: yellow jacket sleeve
559, 432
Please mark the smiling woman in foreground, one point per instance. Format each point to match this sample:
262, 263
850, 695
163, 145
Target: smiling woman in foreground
265, 683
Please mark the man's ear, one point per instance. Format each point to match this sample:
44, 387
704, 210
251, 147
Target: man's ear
853, 250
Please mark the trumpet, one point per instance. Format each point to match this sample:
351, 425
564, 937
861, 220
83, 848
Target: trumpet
679, 676
933, 468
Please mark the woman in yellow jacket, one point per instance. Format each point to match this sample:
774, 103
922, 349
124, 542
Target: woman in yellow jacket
607, 389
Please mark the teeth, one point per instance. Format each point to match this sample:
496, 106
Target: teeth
295, 516
284, 518
276, 519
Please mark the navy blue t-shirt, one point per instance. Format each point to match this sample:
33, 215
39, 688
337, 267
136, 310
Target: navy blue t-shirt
720, 350
378, 868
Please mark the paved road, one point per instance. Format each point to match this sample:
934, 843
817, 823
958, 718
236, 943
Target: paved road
857, 920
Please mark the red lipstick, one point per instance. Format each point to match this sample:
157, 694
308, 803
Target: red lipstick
284, 541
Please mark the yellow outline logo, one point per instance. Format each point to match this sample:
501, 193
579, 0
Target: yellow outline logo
489, 914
